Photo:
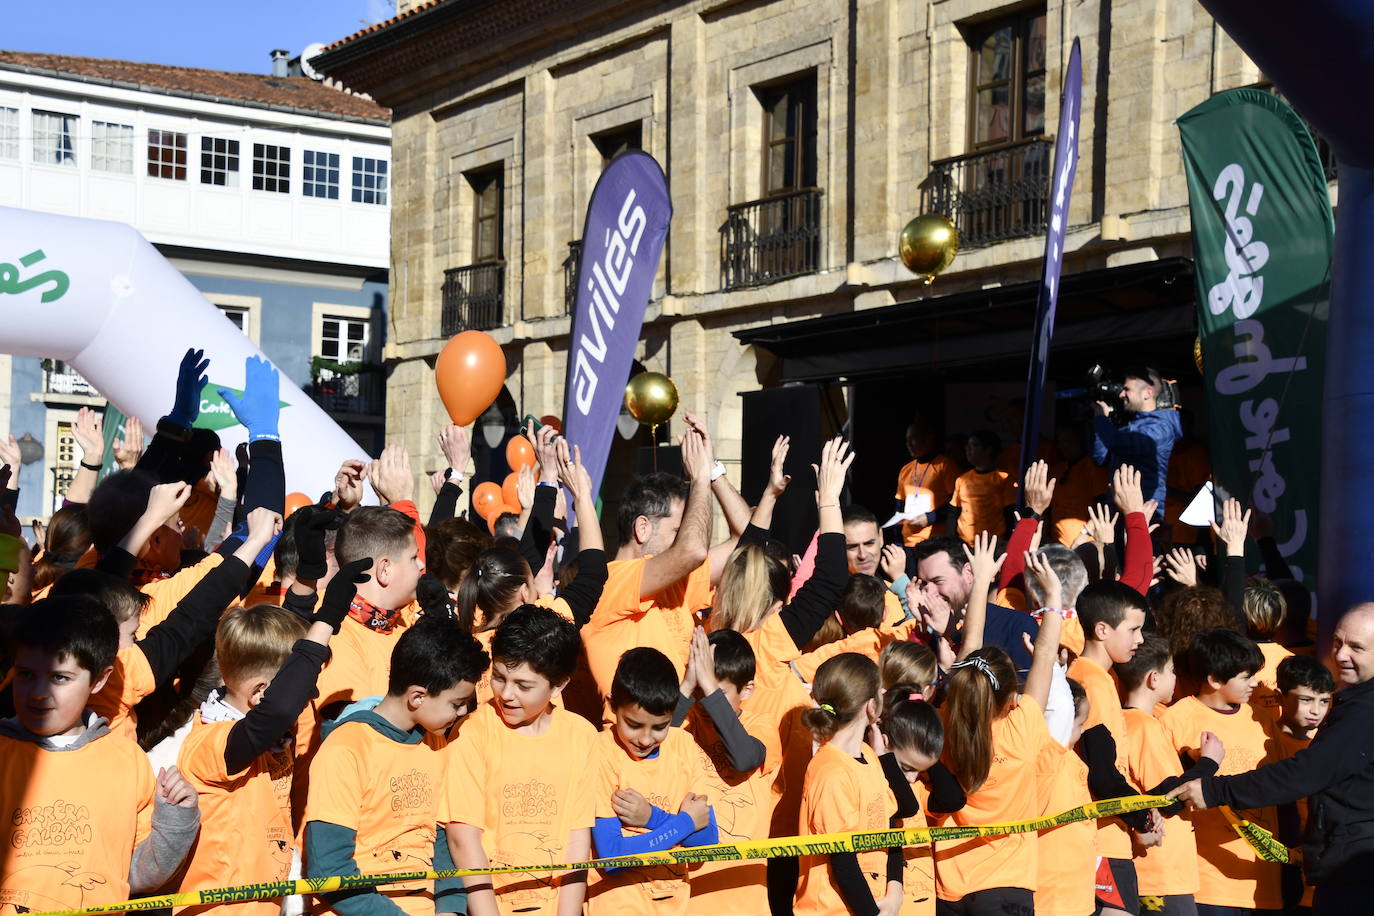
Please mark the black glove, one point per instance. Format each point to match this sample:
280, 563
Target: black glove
432, 596
309, 525
338, 597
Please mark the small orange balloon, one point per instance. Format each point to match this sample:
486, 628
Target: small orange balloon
551, 420
498, 512
508, 489
485, 498
519, 453
469, 374
296, 501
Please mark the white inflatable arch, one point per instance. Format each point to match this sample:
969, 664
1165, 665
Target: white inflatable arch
101, 298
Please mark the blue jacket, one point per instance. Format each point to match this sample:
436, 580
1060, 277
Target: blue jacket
1145, 444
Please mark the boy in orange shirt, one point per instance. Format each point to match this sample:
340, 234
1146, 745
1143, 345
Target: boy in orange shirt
361, 650
87, 822
1112, 616
1167, 873
645, 770
1231, 875
983, 496
373, 804
739, 766
516, 790
239, 755
1305, 689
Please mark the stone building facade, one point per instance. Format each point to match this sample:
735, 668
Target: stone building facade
798, 137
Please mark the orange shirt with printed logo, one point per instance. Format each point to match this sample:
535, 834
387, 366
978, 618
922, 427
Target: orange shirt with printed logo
623, 619
521, 792
981, 497
1229, 871
1104, 708
1008, 794
245, 817
72, 820
664, 780
1170, 868
388, 793
918, 863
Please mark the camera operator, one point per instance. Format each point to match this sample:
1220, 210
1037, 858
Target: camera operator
1145, 440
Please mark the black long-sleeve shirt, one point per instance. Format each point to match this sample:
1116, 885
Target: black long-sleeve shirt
446, 503
844, 866
583, 592
534, 540
282, 703
194, 619
745, 752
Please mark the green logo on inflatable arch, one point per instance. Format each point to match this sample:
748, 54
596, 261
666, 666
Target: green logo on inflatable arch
215, 412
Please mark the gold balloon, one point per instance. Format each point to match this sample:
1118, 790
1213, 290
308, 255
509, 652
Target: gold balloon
651, 398
1197, 354
927, 245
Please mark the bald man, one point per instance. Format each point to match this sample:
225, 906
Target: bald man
1335, 773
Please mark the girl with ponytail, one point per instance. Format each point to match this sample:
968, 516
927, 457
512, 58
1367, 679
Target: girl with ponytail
850, 786
993, 740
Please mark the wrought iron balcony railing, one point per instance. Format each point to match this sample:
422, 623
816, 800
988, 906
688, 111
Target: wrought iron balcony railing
992, 195
771, 239
474, 298
570, 275
361, 392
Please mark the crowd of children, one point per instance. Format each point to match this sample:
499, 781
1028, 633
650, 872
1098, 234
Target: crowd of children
350, 691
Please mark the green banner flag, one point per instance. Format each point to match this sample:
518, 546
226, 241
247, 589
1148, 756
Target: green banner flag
1262, 233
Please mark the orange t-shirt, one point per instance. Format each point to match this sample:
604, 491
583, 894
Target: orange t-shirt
1008, 794
981, 498
1171, 868
779, 697
1229, 871
388, 793
73, 820
1068, 853
129, 682
1104, 708
245, 817
932, 483
165, 594
918, 863
359, 663
664, 780
868, 642
1266, 696
1076, 487
842, 794
743, 804
521, 793
623, 619
1288, 746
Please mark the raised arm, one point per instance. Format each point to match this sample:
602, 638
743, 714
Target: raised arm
761, 522
820, 595
1038, 488
90, 435
690, 548
986, 563
1045, 654
1137, 560
456, 443
1231, 533
583, 593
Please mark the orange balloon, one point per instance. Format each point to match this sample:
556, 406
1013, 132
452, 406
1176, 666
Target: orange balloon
296, 501
497, 513
469, 373
551, 420
485, 498
508, 490
519, 453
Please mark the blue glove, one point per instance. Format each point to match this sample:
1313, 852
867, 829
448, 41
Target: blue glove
191, 378
259, 408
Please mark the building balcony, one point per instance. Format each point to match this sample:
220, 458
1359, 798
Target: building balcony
570, 275
361, 392
473, 298
59, 378
767, 240
992, 195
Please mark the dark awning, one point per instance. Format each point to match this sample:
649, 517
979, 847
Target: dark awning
1115, 306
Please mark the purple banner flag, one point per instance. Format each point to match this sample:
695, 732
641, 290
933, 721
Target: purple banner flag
622, 240
1061, 188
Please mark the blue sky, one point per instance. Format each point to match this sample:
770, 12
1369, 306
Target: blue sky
236, 35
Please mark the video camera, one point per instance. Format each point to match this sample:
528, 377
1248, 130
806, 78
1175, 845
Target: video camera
1101, 385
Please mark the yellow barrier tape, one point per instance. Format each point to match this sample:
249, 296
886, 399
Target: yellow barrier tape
819, 844
1266, 845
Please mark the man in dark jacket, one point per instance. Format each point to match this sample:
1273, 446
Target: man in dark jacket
1335, 773
1146, 442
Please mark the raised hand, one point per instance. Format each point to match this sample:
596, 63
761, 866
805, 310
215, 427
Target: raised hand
893, 561
390, 474
1101, 524
259, 408
1179, 566
348, 485
1235, 525
1126, 490
89, 432
456, 443
984, 560
524, 486
222, 471
310, 524
832, 471
10, 455
129, 447
696, 456
1038, 487
777, 480
263, 526
1048, 579
703, 661
191, 378
339, 594
165, 501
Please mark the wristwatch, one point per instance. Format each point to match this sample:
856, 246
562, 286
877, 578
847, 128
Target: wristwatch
717, 470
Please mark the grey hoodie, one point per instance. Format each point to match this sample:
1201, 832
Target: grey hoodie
175, 828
